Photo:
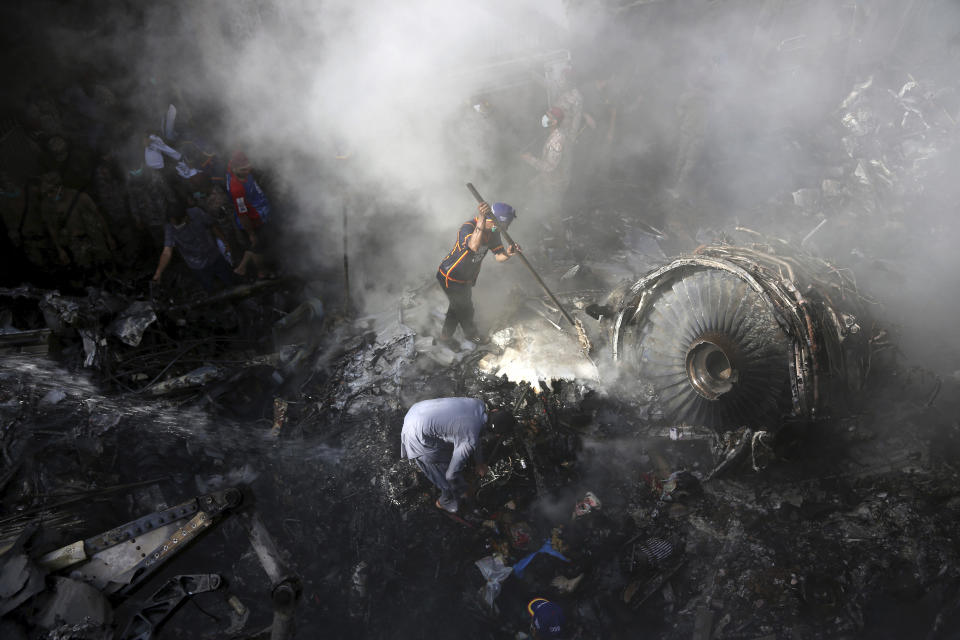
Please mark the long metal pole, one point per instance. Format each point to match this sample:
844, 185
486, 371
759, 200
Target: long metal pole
346, 265
527, 264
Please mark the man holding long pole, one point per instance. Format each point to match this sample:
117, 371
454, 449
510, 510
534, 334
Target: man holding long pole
459, 269
582, 338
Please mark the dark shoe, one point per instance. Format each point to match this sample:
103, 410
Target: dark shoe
449, 343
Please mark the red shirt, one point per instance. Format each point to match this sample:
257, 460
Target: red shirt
243, 208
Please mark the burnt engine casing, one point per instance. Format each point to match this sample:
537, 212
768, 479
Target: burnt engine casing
736, 336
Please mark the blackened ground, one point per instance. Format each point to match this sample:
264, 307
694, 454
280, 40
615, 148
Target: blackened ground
853, 519
847, 531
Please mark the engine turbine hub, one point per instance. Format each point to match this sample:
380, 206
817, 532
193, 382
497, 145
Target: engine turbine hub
710, 367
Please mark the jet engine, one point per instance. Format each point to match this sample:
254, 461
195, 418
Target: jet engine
742, 336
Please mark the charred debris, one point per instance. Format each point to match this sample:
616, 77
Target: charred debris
165, 474
744, 454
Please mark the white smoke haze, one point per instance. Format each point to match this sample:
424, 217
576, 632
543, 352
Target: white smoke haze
301, 83
389, 83
297, 83
378, 80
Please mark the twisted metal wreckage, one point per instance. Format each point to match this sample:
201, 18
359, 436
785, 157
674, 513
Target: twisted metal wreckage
726, 337
737, 335
94, 580
725, 344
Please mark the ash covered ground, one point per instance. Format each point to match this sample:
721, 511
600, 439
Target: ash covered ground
120, 397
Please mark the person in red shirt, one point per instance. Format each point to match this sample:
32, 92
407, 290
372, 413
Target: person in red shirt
251, 212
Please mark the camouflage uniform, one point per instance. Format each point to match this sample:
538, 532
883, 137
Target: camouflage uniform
218, 206
74, 163
149, 197
551, 183
34, 241
571, 101
44, 114
111, 194
12, 203
77, 225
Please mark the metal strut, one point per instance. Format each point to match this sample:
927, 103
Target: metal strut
117, 578
167, 599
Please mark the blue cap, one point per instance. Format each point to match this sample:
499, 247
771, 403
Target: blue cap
548, 618
503, 212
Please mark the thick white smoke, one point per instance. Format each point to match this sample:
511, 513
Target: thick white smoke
372, 99
750, 92
389, 84
382, 81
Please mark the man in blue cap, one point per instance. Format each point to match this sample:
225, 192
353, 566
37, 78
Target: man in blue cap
459, 269
547, 619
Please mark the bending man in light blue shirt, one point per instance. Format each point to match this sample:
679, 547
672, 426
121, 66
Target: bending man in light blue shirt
440, 436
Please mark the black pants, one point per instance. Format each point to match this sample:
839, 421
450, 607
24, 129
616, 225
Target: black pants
217, 270
460, 311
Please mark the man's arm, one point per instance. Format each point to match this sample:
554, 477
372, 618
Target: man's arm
468, 443
97, 217
474, 242
52, 234
165, 257
461, 453
506, 254
552, 153
214, 228
479, 464
218, 233
258, 199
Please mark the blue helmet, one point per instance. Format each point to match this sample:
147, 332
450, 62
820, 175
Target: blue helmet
548, 618
503, 212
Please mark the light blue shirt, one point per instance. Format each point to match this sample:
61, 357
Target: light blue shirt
444, 429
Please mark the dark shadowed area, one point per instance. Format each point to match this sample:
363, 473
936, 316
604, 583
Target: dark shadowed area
727, 339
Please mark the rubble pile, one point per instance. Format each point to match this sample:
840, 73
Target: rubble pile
630, 525
739, 449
